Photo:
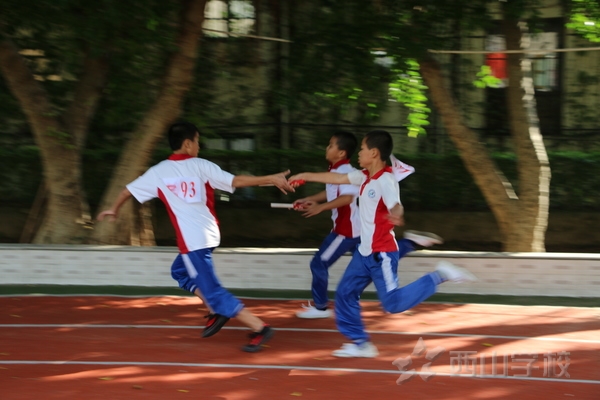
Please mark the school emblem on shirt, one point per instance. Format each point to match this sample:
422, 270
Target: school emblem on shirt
371, 193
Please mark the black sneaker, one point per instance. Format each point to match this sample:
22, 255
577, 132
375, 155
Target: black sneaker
214, 324
257, 339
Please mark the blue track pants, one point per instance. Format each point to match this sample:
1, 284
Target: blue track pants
333, 247
195, 270
382, 270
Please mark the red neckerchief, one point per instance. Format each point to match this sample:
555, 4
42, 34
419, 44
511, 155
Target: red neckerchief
179, 157
337, 164
375, 176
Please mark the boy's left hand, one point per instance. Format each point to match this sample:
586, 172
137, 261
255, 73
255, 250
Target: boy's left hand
310, 209
112, 215
397, 220
301, 204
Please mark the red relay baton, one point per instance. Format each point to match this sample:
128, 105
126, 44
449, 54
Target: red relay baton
297, 182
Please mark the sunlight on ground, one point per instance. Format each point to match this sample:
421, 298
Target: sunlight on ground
242, 394
497, 393
96, 373
143, 375
127, 303
452, 320
295, 357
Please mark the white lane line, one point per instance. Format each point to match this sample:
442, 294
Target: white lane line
290, 368
239, 328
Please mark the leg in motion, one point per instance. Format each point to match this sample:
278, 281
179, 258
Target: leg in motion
347, 310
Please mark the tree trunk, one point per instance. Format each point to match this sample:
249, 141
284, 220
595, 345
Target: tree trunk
60, 141
528, 229
59, 160
85, 99
522, 220
496, 189
167, 107
80, 113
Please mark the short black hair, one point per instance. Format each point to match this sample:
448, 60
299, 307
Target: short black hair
346, 141
382, 141
179, 132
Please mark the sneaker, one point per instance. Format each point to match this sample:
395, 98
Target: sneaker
310, 312
366, 350
257, 339
214, 324
426, 239
452, 273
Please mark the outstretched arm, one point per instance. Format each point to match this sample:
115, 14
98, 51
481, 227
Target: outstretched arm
321, 177
278, 180
114, 210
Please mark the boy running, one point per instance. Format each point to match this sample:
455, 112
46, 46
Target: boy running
378, 253
185, 184
345, 234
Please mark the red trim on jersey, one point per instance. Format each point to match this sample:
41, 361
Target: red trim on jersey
381, 171
383, 241
364, 171
210, 200
179, 157
343, 225
180, 242
337, 164
375, 176
342, 222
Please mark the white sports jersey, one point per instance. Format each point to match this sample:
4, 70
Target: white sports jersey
186, 186
378, 195
346, 219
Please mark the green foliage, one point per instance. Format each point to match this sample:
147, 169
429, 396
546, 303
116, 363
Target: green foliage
584, 19
440, 183
135, 38
20, 174
408, 88
331, 73
432, 24
486, 79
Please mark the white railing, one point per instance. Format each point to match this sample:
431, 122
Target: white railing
523, 274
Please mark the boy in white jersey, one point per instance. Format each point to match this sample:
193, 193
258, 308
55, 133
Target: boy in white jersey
345, 234
377, 257
185, 184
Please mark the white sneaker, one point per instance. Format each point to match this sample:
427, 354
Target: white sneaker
426, 239
310, 312
453, 273
348, 350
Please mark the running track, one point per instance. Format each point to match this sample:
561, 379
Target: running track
110, 347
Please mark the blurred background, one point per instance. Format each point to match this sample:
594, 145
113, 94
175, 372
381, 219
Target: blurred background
494, 103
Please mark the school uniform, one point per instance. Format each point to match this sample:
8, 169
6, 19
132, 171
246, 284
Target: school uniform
186, 185
344, 235
377, 258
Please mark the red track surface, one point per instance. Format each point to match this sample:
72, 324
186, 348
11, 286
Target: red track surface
168, 359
